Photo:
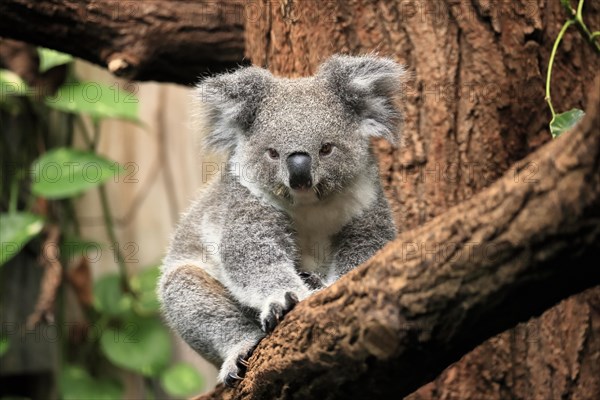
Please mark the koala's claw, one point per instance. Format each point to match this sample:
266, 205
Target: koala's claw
313, 281
232, 379
241, 362
235, 369
277, 311
272, 319
290, 300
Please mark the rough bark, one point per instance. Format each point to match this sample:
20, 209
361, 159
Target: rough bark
474, 108
475, 102
477, 66
551, 357
508, 253
169, 41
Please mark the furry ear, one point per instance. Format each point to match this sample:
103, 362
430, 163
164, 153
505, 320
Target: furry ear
369, 87
229, 103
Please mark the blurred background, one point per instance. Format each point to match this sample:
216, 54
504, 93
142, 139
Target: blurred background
95, 172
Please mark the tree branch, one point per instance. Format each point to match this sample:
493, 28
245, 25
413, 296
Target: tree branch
160, 40
430, 296
436, 292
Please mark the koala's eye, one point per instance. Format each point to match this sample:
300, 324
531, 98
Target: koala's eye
326, 149
273, 154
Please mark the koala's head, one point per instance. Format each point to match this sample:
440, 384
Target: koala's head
303, 139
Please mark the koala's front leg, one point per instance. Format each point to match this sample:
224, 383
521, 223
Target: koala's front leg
362, 238
202, 311
258, 256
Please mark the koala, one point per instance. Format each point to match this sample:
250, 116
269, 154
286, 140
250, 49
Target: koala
299, 206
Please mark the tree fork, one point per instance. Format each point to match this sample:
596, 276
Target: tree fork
161, 40
439, 290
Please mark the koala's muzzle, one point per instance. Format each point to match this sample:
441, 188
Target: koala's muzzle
299, 169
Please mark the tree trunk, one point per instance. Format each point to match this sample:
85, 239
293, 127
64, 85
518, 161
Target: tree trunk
164, 40
474, 108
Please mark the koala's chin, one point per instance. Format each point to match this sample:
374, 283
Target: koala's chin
304, 196
299, 197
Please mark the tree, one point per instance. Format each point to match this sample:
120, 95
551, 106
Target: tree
163, 40
474, 108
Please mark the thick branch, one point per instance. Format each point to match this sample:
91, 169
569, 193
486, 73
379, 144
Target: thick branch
161, 40
436, 292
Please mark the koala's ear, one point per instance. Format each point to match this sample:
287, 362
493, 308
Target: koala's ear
370, 87
228, 104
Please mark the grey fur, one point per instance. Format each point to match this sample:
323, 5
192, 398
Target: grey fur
250, 246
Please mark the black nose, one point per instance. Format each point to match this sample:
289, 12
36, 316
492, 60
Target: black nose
299, 169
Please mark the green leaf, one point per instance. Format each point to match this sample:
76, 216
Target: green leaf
4, 345
565, 121
142, 345
72, 247
109, 296
181, 380
66, 172
144, 284
96, 100
12, 84
15, 231
77, 384
52, 58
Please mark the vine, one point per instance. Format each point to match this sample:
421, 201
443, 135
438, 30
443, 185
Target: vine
565, 121
45, 174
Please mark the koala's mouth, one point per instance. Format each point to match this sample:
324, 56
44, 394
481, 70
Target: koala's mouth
282, 191
285, 192
319, 190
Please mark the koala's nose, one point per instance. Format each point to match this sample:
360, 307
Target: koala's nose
299, 168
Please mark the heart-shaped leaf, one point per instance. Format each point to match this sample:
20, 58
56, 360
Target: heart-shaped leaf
77, 384
109, 296
52, 58
96, 100
565, 121
66, 172
15, 231
181, 380
142, 345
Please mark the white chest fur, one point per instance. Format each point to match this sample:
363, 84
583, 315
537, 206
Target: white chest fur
316, 224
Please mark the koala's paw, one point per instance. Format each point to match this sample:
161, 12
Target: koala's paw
313, 281
235, 365
275, 310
